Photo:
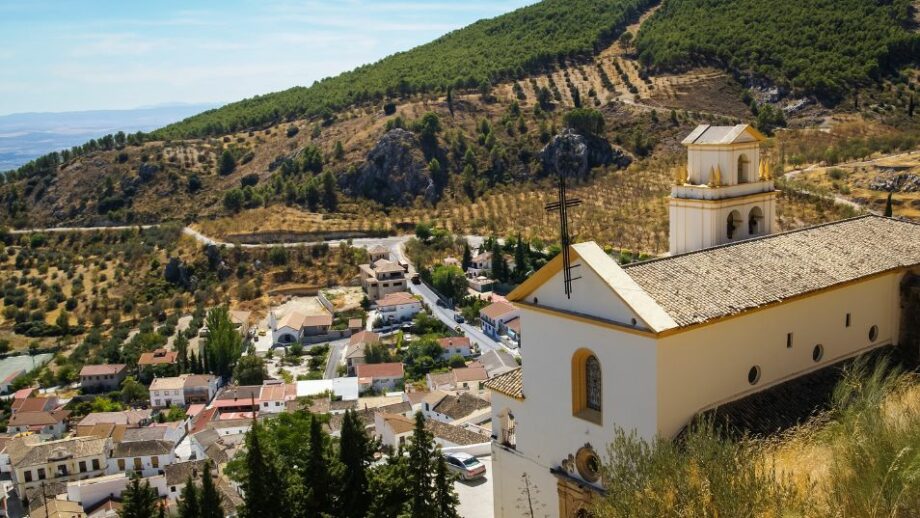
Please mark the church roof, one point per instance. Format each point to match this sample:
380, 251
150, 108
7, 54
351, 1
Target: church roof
706, 134
510, 384
717, 282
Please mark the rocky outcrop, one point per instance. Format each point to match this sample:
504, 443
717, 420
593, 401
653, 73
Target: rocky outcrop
896, 182
395, 172
577, 154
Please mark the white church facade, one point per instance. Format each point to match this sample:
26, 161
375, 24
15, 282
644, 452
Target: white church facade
648, 346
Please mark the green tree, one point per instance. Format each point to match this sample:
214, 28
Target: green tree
445, 496
356, 452
227, 163
211, 501
449, 281
330, 195
250, 370
499, 266
467, 260
421, 464
312, 195
190, 503
521, 253
338, 151
585, 121
224, 344
233, 200
320, 486
133, 392
889, 209
139, 500
263, 485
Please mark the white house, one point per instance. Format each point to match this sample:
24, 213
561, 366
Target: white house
379, 376
146, 458
183, 390
454, 409
455, 346
398, 307
494, 317
274, 397
346, 389
91, 491
296, 324
395, 430
649, 346
52, 424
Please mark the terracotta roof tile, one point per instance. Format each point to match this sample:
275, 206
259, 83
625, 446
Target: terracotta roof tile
510, 384
380, 370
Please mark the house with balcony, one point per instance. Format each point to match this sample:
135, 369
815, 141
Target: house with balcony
382, 277
35, 462
398, 307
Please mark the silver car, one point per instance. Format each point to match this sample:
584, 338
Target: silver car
465, 465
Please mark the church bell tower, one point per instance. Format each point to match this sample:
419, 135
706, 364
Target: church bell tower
725, 193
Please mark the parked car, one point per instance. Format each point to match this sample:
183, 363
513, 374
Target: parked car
415, 279
458, 318
441, 303
465, 465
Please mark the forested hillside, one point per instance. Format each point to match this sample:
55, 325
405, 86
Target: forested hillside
529, 39
822, 47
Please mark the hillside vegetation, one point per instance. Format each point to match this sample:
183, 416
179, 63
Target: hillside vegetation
527, 40
824, 47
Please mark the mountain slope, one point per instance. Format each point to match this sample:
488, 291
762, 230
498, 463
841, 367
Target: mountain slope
822, 47
529, 39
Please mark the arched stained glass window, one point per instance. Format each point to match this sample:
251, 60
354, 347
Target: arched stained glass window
593, 383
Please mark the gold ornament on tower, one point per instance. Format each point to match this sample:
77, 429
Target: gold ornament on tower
715, 176
680, 175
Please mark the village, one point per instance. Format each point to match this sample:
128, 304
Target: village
408, 352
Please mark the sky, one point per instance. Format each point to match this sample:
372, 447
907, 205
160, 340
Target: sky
67, 55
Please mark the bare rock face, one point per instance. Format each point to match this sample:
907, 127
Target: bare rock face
395, 172
576, 154
896, 182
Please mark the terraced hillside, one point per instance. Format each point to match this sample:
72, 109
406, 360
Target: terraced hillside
290, 168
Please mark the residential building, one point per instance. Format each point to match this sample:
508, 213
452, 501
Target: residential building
274, 396
54, 508
379, 376
497, 362
183, 390
52, 424
158, 357
455, 346
382, 277
91, 492
33, 403
295, 325
400, 306
102, 378
199, 388
178, 474
357, 349
480, 263
145, 458
495, 316
378, 253
34, 462
395, 430
455, 409
462, 379
513, 333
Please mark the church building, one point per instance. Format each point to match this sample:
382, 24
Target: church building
734, 312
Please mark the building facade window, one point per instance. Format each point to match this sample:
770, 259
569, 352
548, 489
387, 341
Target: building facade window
848, 320
96, 465
743, 166
873, 333
587, 386
788, 340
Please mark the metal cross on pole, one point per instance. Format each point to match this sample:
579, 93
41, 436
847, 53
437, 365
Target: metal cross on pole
569, 148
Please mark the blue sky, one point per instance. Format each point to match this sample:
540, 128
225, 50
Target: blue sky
63, 55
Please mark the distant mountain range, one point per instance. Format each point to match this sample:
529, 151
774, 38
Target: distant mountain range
24, 136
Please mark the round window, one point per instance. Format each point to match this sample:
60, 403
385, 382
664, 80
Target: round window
754, 375
817, 353
588, 464
873, 333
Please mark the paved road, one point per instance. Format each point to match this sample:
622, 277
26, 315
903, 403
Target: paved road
446, 315
336, 353
476, 495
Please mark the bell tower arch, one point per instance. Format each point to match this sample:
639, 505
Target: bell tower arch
725, 193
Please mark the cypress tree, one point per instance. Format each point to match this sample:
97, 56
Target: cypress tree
211, 506
467, 256
189, 505
445, 496
263, 484
520, 257
138, 500
420, 486
356, 452
319, 494
889, 210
